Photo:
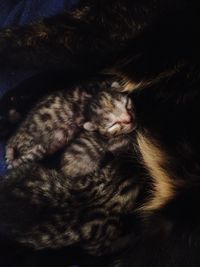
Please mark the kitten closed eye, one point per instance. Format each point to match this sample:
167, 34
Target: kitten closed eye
56, 119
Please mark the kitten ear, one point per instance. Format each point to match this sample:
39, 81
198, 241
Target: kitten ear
115, 85
89, 126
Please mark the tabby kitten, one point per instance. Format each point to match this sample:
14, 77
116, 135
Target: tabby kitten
87, 152
46, 129
57, 118
57, 211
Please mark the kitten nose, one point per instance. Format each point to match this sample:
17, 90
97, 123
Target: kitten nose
126, 118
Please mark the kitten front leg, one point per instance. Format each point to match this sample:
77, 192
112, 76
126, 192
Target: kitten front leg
19, 150
119, 144
32, 154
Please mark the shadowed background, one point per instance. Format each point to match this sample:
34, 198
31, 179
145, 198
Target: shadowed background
15, 12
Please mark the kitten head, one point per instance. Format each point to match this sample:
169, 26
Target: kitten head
111, 114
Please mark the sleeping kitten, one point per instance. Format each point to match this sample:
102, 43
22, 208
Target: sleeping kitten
86, 153
46, 128
58, 211
57, 118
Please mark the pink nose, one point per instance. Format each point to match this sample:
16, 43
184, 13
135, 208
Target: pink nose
126, 119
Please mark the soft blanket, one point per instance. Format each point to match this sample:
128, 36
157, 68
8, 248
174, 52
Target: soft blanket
21, 12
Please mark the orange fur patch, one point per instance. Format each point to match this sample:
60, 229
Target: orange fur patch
164, 186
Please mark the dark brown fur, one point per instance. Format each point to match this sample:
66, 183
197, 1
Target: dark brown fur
154, 45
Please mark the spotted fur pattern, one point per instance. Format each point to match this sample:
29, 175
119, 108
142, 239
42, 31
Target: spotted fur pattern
51, 124
60, 211
58, 117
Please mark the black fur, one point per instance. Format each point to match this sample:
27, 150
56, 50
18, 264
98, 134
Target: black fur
157, 43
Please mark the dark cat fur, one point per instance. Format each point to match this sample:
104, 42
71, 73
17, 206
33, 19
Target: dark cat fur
126, 36
154, 45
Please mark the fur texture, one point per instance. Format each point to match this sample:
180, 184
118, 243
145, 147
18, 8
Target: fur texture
57, 118
154, 47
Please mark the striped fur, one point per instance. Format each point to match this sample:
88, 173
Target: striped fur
58, 117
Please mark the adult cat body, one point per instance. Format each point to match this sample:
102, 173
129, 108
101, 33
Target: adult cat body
154, 45
135, 39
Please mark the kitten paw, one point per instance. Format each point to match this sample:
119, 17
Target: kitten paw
10, 152
59, 140
13, 164
11, 160
15, 157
